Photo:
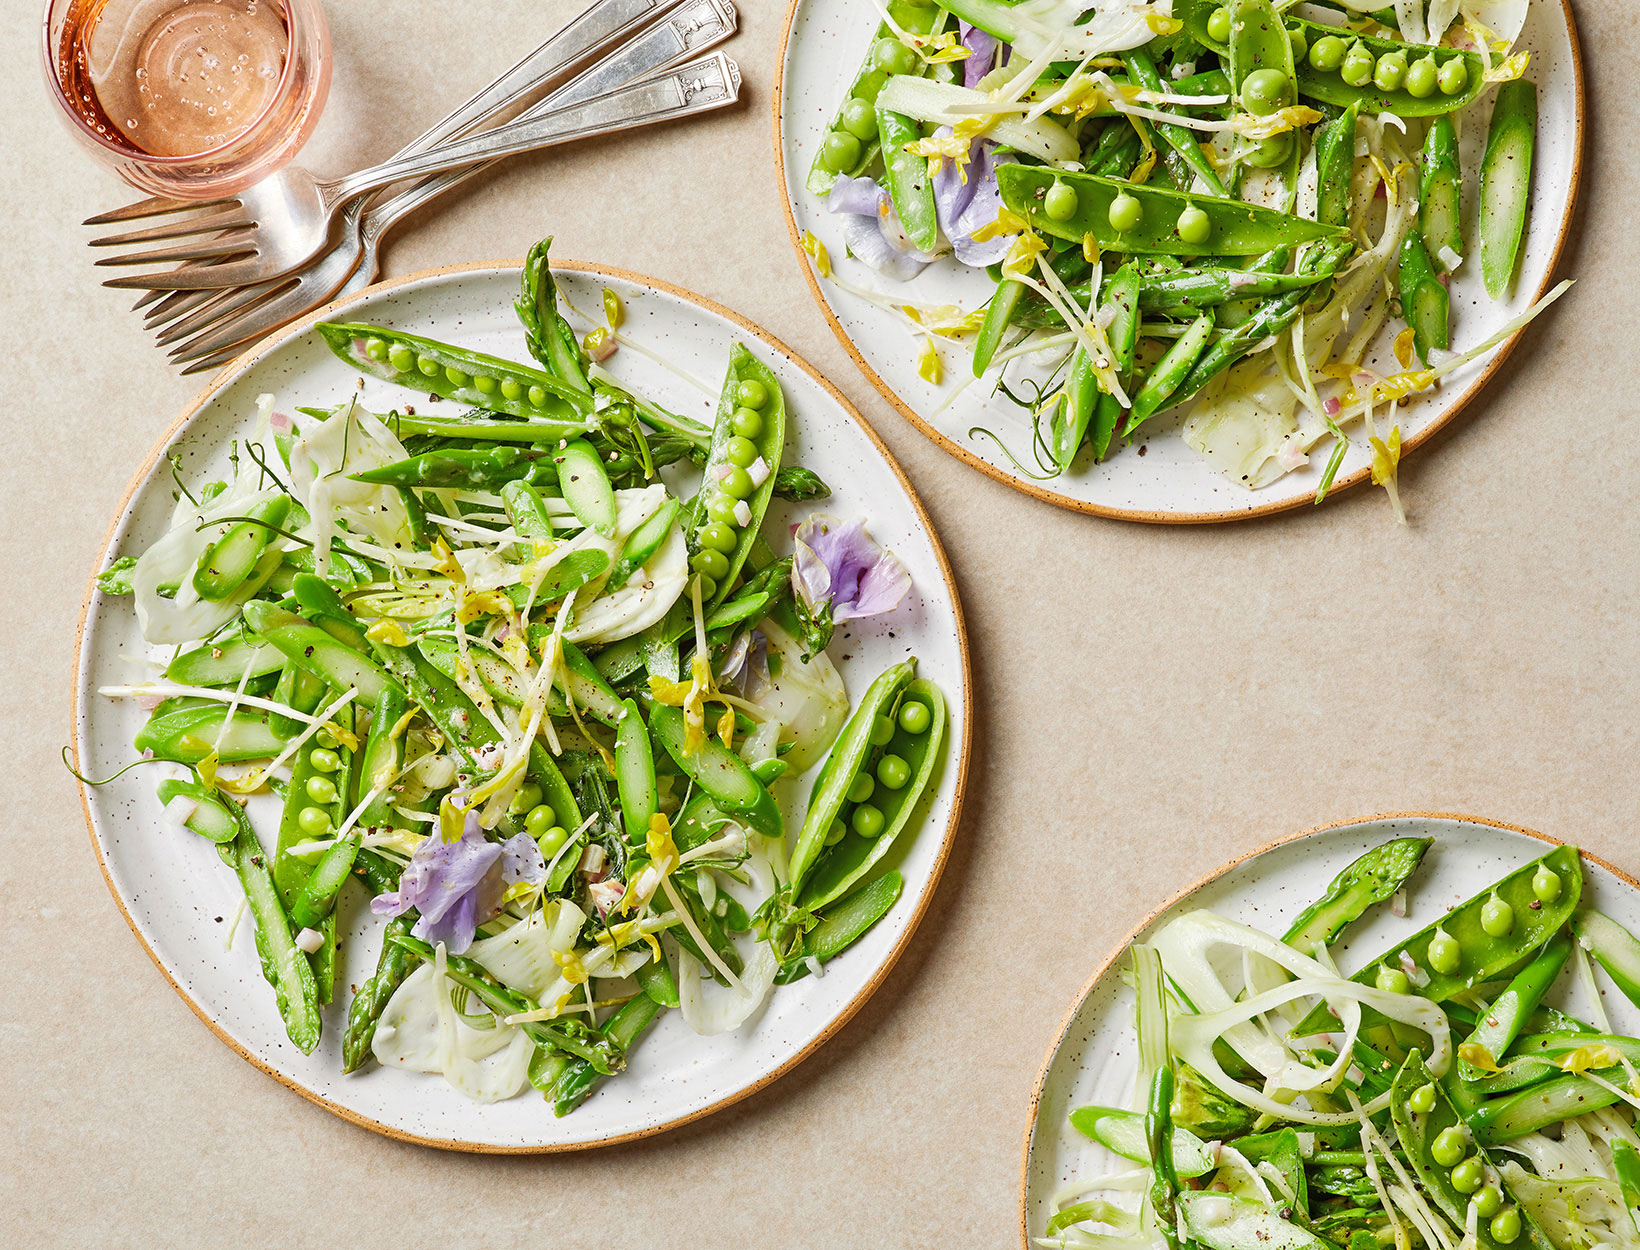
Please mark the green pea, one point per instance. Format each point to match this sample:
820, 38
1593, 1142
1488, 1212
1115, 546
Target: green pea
1505, 1225
1194, 226
324, 738
376, 349
1488, 1201
840, 151
1545, 884
313, 821
1392, 68
455, 376
915, 716
1327, 53
552, 841
1271, 151
1421, 76
712, 563
751, 394
721, 509
539, 819
1497, 917
746, 422
528, 796
1422, 1099
1393, 980
835, 834
870, 86
401, 357
1467, 1176
538, 396
484, 384
1449, 1146
736, 483
1218, 25
1453, 78
1125, 212
882, 731
893, 57
1060, 202
1264, 91
1444, 953
708, 586
717, 536
321, 789
511, 388
868, 821
893, 772
324, 761
1301, 45
740, 450
862, 788
860, 120
1359, 63
428, 366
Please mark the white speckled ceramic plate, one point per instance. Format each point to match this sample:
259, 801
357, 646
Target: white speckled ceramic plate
1094, 1059
1162, 479
179, 899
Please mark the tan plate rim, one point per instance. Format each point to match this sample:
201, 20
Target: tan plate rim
1139, 514
1178, 896
229, 373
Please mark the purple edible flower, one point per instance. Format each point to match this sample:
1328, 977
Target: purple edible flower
457, 886
967, 198
982, 47
746, 665
837, 561
871, 232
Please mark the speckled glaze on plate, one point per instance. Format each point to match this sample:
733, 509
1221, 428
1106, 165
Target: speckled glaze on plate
1094, 1059
179, 899
1170, 483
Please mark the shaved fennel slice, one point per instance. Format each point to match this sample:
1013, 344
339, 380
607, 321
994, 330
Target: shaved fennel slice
321, 464
1586, 1211
808, 700
521, 957
709, 1008
419, 1030
649, 592
1246, 426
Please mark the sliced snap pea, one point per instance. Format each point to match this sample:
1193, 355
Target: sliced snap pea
622, 1029
187, 735
1440, 184
1503, 1021
843, 925
1080, 400
642, 544
317, 600
224, 662
548, 335
318, 895
1614, 947
1368, 879
655, 979
462, 468
756, 598
450, 372
1503, 1119
725, 481
371, 1000
226, 563
1506, 182
849, 754
719, 772
1431, 1137
851, 143
209, 819
1142, 69
635, 773
527, 511
569, 572
1123, 1134
1626, 1165
299, 690
585, 486
381, 757
1478, 956
1124, 295
1168, 374
317, 652
316, 803
998, 314
1335, 167
894, 798
909, 186
1261, 75
1233, 228
1424, 300
453, 714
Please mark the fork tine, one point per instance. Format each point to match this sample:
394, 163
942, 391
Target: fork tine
173, 304
240, 241
215, 311
228, 219
215, 277
147, 298
215, 360
154, 206
269, 309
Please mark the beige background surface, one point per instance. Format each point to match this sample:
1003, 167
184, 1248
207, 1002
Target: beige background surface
1151, 702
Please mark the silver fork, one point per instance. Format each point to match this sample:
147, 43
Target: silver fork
274, 225
217, 323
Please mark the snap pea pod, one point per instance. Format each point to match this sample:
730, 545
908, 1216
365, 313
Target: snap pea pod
224, 662
585, 486
315, 806
1460, 951
461, 468
1124, 295
209, 819
317, 600
719, 772
187, 735
605, 1057
317, 652
655, 979
318, 895
1168, 222
748, 435
843, 925
381, 757
1526, 1111
225, 565
1261, 77
1164, 1184
1453, 1168
999, 313
454, 373
453, 714
1123, 1133
1440, 184
568, 572
527, 511
1614, 947
1626, 1166
546, 333
622, 1029
299, 690
1169, 373
283, 964
1506, 182
1079, 401
881, 802
1424, 300
642, 544
909, 186
371, 1000
1502, 1022
1335, 167
1368, 879
635, 773
756, 597
1142, 69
